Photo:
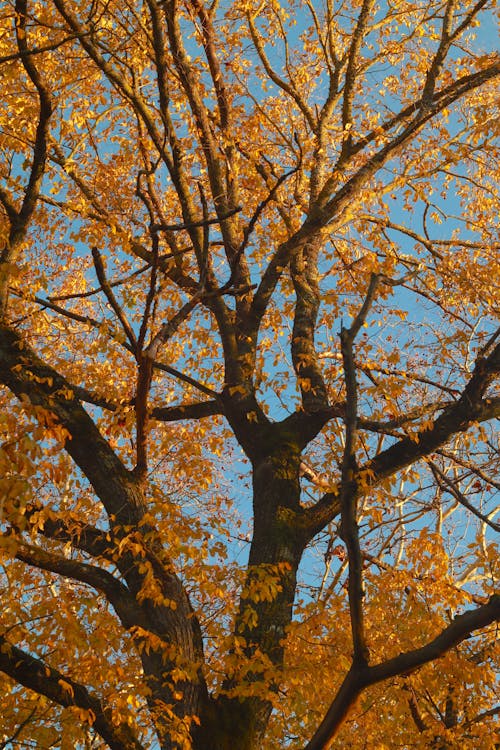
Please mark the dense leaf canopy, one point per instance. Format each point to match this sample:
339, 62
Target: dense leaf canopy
249, 302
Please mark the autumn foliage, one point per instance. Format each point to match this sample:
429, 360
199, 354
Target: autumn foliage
249, 342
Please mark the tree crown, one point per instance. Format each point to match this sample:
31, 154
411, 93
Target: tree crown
248, 351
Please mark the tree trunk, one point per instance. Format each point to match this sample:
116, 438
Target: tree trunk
276, 550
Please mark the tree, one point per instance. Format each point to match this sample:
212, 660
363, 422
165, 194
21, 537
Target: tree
248, 250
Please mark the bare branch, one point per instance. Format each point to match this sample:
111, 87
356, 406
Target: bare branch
353, 331
92, 292
98, 325
455, 492
262, 205
390, 426
168, 329
461, 461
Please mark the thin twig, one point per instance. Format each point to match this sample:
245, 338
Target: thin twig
453, 489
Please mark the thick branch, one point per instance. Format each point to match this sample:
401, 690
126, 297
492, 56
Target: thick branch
440, 56
42, 130
36, 50
470, 408
441, 100
304, 271
194, 224
19, 220
334, 207
357, 680
27, 376
82, 536
460, 628
392, 426
350, 75
195, 410
38, 676
349, 490
187, 411
115, 592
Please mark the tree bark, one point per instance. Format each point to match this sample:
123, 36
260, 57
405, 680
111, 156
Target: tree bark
237, 719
